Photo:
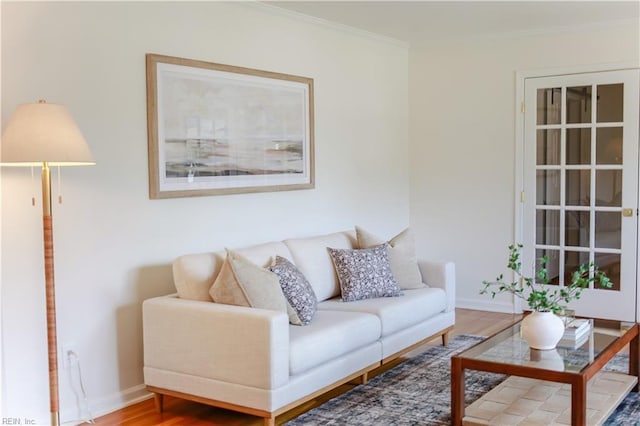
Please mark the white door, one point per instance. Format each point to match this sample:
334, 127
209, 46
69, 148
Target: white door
581, 184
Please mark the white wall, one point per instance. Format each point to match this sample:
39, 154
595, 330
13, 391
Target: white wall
462, 140
114, 246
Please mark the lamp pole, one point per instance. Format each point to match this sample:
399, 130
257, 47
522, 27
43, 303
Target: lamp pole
49, 277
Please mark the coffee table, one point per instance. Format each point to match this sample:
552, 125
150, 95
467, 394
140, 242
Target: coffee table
507, 353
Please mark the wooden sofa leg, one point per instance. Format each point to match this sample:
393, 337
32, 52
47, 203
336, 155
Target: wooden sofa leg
269, 421
360, 380
445, 339
364, 378
159, 400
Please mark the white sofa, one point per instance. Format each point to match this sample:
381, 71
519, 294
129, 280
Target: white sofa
252, 360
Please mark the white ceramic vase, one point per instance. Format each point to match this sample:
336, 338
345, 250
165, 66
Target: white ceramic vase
542, 330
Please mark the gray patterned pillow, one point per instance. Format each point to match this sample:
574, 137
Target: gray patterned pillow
297, 290
364, 273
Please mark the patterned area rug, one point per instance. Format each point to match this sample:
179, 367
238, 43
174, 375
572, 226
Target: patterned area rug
418, 392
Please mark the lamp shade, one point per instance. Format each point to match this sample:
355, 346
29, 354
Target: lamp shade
42, 132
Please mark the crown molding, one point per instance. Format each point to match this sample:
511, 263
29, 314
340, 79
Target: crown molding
275, 10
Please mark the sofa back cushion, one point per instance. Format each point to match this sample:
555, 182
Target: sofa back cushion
312, 258
194, 274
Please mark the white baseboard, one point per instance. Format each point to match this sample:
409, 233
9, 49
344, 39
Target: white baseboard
120, 400
485, 305
113, 402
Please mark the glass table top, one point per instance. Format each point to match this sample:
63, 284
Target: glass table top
508, 347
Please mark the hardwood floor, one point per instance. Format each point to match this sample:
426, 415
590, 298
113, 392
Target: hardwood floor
184, 413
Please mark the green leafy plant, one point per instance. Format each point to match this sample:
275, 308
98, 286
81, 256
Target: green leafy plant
538, 296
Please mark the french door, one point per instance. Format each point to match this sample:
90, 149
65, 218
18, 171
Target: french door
581, 184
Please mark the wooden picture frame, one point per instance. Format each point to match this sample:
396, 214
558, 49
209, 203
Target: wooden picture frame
219, 129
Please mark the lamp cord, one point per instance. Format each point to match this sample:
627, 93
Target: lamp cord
33, 184
59, 185
76, 361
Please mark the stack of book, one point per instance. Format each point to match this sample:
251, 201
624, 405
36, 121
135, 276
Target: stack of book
576, 333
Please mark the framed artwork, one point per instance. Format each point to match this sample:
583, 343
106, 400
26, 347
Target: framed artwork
219, 129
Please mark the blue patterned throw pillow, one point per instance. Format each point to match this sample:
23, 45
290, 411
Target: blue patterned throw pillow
297, 291
364, 273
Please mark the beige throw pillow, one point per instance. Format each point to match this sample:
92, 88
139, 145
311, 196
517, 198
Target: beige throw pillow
243, 283
402, 256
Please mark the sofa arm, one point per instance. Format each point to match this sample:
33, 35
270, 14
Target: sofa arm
246, 346
441, 275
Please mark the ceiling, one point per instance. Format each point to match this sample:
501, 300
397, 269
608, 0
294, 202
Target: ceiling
415, 21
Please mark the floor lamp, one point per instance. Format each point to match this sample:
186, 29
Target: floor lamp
45, 135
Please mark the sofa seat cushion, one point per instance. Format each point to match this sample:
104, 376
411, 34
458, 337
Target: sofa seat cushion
395, 313
330, 335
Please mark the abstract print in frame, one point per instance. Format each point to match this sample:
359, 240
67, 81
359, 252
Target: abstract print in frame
220, 129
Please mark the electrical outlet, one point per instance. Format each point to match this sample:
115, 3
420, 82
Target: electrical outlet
69, 355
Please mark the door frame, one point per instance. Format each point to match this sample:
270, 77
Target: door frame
521, 76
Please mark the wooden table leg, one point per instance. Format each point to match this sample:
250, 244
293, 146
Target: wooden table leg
457, 391
634, 360
579, 402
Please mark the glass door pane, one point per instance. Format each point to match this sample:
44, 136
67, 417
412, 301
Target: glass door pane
583, 177
571, 145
